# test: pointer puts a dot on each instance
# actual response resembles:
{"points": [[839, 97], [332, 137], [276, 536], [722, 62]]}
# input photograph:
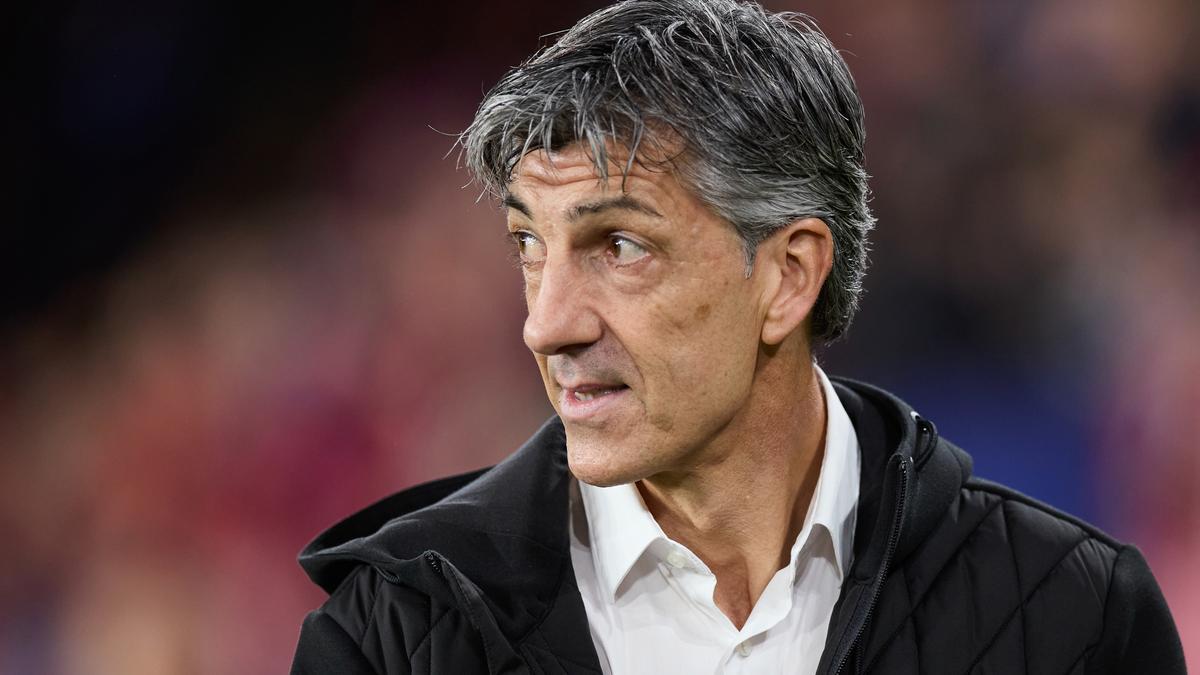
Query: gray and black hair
{"points": [[768, 115]]}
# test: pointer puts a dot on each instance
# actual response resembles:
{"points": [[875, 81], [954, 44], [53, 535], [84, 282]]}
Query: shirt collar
{"points": [[622, 529]]}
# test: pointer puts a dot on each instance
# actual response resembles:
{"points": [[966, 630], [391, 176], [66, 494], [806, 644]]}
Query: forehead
{"points": [[545, 179]]}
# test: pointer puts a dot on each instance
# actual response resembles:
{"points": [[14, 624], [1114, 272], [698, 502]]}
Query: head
{"points": [[685, 186]]}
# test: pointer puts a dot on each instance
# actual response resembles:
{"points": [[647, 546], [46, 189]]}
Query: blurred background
{"points": [[248, 291]]}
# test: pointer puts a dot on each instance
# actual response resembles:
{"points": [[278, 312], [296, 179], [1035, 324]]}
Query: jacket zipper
{"points": [[430, 558], [884, 567]]}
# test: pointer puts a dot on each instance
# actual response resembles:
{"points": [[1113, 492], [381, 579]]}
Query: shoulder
{"points": [[1027, 553], [996, 546], [1086, 578], [1004, 574], [1037, 534]]}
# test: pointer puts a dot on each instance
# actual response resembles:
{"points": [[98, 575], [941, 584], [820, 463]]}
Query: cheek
{"points": [[701, 295], [708, 346]]}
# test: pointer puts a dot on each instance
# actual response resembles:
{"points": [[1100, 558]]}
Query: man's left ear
{"points": [[802, 255]]}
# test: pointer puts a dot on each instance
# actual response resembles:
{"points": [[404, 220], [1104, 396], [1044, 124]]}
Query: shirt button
{"points": [[675, 559], [744, 648]]}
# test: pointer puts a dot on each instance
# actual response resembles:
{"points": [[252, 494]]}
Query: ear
{"points": [[800, 256]]}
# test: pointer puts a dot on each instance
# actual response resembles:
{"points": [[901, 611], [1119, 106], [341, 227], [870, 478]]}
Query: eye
{"points": [[530, 249], [626, 251]]}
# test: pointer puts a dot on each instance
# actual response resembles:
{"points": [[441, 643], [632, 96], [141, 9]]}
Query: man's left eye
{"points": [[626, 251]]}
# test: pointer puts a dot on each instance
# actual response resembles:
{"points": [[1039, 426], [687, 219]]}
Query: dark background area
{"points": [[247, 290], [120, 115]]}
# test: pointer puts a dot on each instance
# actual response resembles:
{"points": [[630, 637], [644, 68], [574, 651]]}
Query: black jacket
{"points": [[952, 574]]}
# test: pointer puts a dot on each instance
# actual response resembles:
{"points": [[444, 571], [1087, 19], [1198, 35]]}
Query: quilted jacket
{"points": [[952, 574]]}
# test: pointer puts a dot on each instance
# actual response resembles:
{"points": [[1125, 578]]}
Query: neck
{"points": [[742, 504]]}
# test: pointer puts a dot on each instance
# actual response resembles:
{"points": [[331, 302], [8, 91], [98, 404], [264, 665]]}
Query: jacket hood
{"points": [[506, 528], [494, 526]]}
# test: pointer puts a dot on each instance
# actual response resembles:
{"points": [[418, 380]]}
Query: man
{"points": [[685, 189]]}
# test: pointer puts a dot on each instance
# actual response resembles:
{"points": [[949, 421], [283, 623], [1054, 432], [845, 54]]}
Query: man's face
{"points": [[641, 318]]}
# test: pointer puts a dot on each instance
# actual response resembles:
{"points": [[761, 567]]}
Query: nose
{"points": [[562, 318]]}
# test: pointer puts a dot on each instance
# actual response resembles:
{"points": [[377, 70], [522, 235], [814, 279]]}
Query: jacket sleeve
{"points": [[1139, 635], [325, 647]]}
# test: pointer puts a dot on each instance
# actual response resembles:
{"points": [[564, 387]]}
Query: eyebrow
{"points": [[624, 202], [511, 201]]}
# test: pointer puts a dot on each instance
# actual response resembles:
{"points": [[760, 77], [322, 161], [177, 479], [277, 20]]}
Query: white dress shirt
{"points": [[649, 599]]}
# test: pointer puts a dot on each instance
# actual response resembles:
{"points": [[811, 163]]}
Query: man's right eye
{"points": [[530, 250]]}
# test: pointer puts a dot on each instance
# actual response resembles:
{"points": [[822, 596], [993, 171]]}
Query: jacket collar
{"points": [[890, 431]]}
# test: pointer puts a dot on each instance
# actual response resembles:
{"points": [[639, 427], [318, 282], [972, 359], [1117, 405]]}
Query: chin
{"points": [[603, 464]]}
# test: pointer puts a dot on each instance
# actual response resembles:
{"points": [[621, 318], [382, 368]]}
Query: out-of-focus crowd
{"points": [[259, 365]]}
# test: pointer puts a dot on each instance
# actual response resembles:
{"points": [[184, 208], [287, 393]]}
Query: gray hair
{"points": [[768, 114]]}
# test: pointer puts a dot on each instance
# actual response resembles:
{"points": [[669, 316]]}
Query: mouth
{"points": [[591, 401], [592, 392]]}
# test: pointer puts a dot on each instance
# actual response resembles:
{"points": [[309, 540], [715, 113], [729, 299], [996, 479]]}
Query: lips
{"points": [[591, 401], [588, 393]]}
